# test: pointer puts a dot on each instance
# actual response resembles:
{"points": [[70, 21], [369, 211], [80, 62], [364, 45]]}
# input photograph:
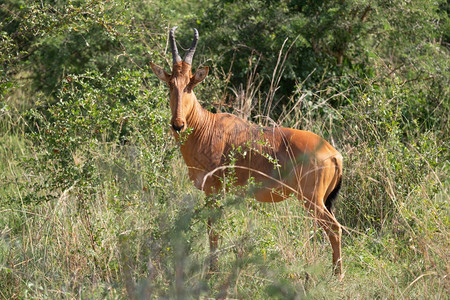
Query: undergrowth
{"points": [[97, 203], [95, 200]]}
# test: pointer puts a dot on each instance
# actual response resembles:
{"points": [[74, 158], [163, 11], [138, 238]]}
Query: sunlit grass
{"points": [[59, 250], [141, 232]]}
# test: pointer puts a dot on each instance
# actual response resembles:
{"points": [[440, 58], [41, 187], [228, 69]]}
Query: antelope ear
{"points": [[160, 72], [199, 76]]}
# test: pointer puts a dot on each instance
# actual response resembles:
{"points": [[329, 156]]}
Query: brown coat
{"points": [[282, 161]]}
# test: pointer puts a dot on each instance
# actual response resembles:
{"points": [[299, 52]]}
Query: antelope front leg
{"points": [[213, 244], [213, 209]]}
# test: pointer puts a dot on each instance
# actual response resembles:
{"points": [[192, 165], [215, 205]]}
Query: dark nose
{"points": [[178, 124], [178, 127]]}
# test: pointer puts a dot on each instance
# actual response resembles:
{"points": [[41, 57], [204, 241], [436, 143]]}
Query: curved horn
{"points": [[190, 54], [173, 45]]}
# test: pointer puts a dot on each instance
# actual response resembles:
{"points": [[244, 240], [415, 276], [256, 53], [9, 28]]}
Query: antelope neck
{"points": [[200, 120]]}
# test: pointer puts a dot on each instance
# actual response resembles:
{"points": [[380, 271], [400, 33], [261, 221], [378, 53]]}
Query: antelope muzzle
{"points": [[178, 124]]}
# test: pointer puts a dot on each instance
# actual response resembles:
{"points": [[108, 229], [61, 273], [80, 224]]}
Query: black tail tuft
{"points": [[332, 196]]}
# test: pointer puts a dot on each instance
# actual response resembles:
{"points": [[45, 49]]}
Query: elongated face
{"points": [[181, 83]]}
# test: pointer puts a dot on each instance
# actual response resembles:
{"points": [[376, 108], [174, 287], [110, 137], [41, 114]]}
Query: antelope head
{"points": [[181, 82]]}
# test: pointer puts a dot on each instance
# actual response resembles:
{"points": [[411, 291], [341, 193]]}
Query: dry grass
{"points": [[132, 238]]}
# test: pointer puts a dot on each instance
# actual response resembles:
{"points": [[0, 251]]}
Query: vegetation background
{"points": [[95, 201]]}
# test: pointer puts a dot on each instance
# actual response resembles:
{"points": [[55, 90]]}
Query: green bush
{"points": [[98, 129], [95, 200]]}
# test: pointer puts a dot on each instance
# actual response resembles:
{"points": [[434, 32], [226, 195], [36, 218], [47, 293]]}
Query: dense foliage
{"points": [[94, 197]]}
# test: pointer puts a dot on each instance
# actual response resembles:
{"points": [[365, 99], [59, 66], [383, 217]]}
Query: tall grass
{"points": [[132, 225]]}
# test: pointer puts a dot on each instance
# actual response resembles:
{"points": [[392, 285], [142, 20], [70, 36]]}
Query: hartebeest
{"points": [[283, 161]]}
